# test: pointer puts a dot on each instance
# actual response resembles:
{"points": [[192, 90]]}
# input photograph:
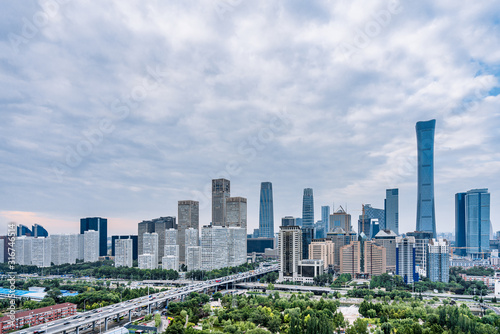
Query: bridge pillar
{"points": [[182, 298], [77, 330], [117, 317], [106, 324], [93, 325], [149, 308], [205, 291], [129, 315]]}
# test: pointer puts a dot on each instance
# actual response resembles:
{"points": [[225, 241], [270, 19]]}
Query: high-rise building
{"points": [[236, 212], [369, 212], [221, 190], [23, 230], [472, 222], [124, 250], [323, 249], [308, 208], [325, 219], [171, 237], [298, 222], [266, 211], [350, 258], [237, 246], [189, 218], [391, 209], [214, 247], [135, 244], [405, 259], [39, 231], [438, 261], [100, 225], [91, 246], [290, 252], [148, 261], [341, 219], [161, 225], [288, 221], [22, 249], [421, 242], [146, 226], [150, 245], [340, 238], [387, 239], [374, 259], [40, 252], [426, 219], [170, 262], [64, 248], [191, 238], [193, 258], [307, 238], [2, 250]]}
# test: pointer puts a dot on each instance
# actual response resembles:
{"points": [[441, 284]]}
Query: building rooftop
{"points": [[38, 311], [386, 234]]}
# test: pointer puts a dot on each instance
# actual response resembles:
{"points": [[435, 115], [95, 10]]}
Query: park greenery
{"points": [[201, 275]]}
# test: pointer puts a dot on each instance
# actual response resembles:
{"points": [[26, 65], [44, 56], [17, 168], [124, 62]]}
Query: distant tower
{"points": [[266, 214], [221, 190], [426, 220], [100, 225], [308, 208], [391, 208], [189, 218]]}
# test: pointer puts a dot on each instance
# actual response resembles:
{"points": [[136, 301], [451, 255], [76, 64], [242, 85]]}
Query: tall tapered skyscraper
{"points": [[426, 220], [266, 213], [308, 208]]}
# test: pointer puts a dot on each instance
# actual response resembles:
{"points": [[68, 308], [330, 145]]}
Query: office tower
{"points": [[214, 247], [308, 269], [374, 259], [319, 231], [148, 261], [237, 246], [350, 258], [288, 221], [340, 238], [387, 239], [146, 226], [170, 262], [374, 228], [191, 239], [40, 252], [421, 241], [405, 259], [64, 248], [100, 225], [221, 190], [171, 236], [367, 214], [91, 246], [266, 211], [341, 219], [308, 208], [161, 225], [171, 250], [438, 260], [290, 252], [23, 230], [259, 245], [193, 258], [426, 220], [472, 222], [391, 208], [236, 212], [189, 218], [256, 233], [22, 249], [307, 238], [325, 219], [135, 244], [150, 245], [298, 222], [124, 250], [38, 231], [323, 249]]}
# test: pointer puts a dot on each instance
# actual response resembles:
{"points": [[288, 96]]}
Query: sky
{"points": [[120, 109]]}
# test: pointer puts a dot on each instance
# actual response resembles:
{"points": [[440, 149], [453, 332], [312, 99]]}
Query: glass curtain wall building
{"points": [[308, 208], [426, 220], [266, 213]]}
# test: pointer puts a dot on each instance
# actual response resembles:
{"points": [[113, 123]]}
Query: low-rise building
{"points": [[36, 317]]}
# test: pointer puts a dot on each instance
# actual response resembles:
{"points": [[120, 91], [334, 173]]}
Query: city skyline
{"points": [[126, 127]]}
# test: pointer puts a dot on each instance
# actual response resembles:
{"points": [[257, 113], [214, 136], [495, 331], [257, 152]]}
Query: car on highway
{"points": [[67, 323]]}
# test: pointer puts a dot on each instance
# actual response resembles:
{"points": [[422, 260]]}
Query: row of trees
{"points": [[201, 275]]}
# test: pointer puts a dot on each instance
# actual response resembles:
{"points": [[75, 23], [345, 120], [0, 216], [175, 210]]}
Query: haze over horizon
{"points": [[121, 109]]}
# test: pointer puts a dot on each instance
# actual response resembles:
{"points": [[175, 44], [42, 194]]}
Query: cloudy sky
{"points": [[121, 108]]}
